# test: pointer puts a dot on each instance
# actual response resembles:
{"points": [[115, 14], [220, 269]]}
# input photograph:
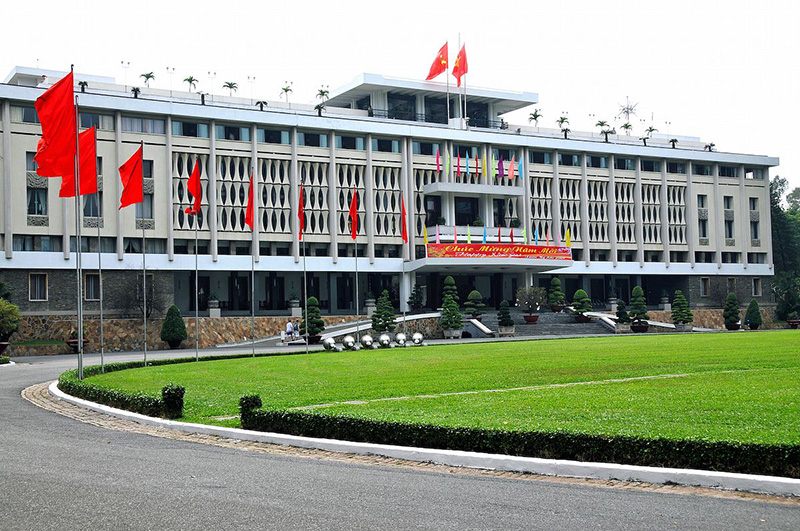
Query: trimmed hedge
{"points": [[4, 360], [776, 460]]}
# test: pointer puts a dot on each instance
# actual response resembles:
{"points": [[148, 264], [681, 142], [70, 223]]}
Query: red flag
{"points": [[460, 67], [403, 228], [301, 214], [476, 162], [511, 233], [55, 154], [438, 166], [354, 215], [455, 233], [458, 159], [88, 168], [195, 188], [248, 215], [132, 179], [499, 235], [439, 64]]}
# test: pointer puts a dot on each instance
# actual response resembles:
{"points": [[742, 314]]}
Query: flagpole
{"points": [[100, 273], [78, 267], [305, 290], [358, 314], [144, 260], [196, 295], [253, 245], [460, 108], [403, 261]]}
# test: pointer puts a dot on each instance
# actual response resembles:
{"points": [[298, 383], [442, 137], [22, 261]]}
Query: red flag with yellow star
{"points": [[460, 67], [439, 64]]}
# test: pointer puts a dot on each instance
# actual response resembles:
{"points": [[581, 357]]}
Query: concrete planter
{"points": [[506, 331], [73, 344], [622, 328], [370, 306], [733, 326], [793, 323], [452, 333], [681, 327], [294, 308], [639, 328], [581, 318]]}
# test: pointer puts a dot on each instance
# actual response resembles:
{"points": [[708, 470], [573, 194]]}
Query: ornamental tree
{"points": [[504, 315], [681, 314], [383, 317], [451, 315], [581, 302], [753, 315], [730, 312], [417, 298], [9, 319], [622, 314], [556, 296], [474, 304], [638, 312], [173, 329], [315, 323], [450, 288], [531, 298]]}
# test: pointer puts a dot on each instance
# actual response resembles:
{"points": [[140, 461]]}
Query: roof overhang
{"points": [[487, 265]]}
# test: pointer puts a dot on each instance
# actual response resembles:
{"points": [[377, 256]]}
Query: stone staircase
{"points": [[550, 324]]}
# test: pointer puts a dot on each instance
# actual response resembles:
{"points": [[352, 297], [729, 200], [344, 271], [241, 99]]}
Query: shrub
{"points": [[638, 311], [622, 314], [450, 289], [478, 222], [173, 329], [314, 321], [172, 398], [531, 298], [681, 314], [581, 303], [4, 360], [556, 296], [730, 312], [417, 298], [504, 315], [73, 334], [515, 223], [451, 315], [753, 315], [792, 316], [383, 316], [9, 319], [474, 304]]}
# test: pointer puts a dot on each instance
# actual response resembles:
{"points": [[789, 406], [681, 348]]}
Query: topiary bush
{"points": [[450, 289], [638, 312], [313, 321], [555, 297], [730, 312], [622, 313], [451, 315], [172, 398], [753, 315], [4, 360], [383, 317], [581, 303], [9, 319], [474, 305], [173, 329], [681, 314], [417, 298], [504, 315]]}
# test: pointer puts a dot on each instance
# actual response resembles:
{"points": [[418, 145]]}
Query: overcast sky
{"points": [[726, 71]]}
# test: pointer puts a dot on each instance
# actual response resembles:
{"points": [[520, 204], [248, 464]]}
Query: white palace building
{"points": [[662, 215]]}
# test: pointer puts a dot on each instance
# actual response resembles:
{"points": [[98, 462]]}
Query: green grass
{"points": [[760, 402]]}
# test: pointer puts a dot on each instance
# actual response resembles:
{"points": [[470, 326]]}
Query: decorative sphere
{"points": [[366, 341], [400, 339], [384, 340], [329, 343], [416, 338], [348, 342]]}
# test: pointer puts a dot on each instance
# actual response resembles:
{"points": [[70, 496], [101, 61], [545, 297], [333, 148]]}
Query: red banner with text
{"points": [[497, 250]]}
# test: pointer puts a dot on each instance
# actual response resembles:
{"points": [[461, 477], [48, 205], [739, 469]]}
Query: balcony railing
{"points": [[447, 234], [436, 118]]}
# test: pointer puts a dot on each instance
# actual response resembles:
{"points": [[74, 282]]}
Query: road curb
{"points": [[9, 364], [548, 467]]}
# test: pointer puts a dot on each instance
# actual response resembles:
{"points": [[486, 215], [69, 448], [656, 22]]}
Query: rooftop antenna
{"points": [[252, 81], [627, 110], [170, 71], [125, 66]]}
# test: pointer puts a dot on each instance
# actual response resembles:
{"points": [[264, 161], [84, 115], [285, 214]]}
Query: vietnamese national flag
{"points": [[195, 188], [130, 173], [248, 215], [55, 153], [460, 67], [354, 215], [404, 227], [301, 215], [439, 64], [87, 168]]}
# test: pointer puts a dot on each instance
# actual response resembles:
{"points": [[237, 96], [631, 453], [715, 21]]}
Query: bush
{"points": [[173, 329], [477, 222], [172, 398], [9, 319], [383, 317], [4, 360], [531, 298], [450, 289], [786, 288], [730, 312], [474, 304], [622, 314], [681, 314], [778, 459], [504, 315], [556, 296], [315, 323], [451, 315], [417, 298], [581, 303], [515, 223], [792, 316], [638, 311], [753, 315]]}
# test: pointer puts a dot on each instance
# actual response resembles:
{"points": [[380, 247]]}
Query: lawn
{"points": [[736, 386]]}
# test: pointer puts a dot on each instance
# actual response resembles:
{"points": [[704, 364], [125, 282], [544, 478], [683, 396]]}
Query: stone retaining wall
{"points": [[713, 318]]}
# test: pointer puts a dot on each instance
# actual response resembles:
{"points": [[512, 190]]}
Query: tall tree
{"points": [[785, 229]]}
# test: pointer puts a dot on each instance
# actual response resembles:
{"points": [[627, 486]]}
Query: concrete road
{"points": [[59, 473]]}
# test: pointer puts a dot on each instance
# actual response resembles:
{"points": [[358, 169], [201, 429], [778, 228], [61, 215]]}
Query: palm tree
{"points": [[534, 117], [147, 76], [644, 139], [627, 127], [673, 141], [606, 132], [710, 147], [319, 107], [135, 91], [261, 104], [562, 121], [231, 86], [286, 90], [650, 130], [566, 131], [83, 85], [322, 94], [192, 82], [601, 124]]}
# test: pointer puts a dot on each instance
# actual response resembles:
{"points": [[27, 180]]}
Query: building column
{"points": [[744, 212], [555, 202], [8, 202], [294, 196], [170, 207], [663, 198], [369, 200], [719, 216], [254, 169], [585, 211], [638, 212], [117, 188], [767, 228], [212, 187], [410, 249], [405, 290], [333, 203], [691, 213], [526, 183], [612, 209]]}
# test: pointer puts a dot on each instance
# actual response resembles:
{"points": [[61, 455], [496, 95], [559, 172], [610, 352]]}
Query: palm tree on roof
{"points": [[562, 121], [566, 132], [286, 90], [231, 86], [673, 141], [323, 93], [627, 127], [534, 117], [650, 130], [147, 76], [261, 104], [191, 81]]}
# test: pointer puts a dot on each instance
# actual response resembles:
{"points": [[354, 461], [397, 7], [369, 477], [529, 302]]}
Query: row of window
{"points": [[705, 286], [729, 225]]}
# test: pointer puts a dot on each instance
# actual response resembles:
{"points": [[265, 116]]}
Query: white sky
{"points": [[726, 71]]}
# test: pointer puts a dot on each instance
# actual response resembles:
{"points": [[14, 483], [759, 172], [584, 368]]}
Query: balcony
{"points": [[436, 118], [447, 234], [474, 189]]}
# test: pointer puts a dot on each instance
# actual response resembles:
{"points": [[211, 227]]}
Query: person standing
{"points": [[289, 331], [297, 329]]}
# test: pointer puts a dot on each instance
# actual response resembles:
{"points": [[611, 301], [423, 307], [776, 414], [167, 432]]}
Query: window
{"points": [[651, 165], [756, 287], [727, 202], [726, 171], [701, 169], [194, 129], [676, 167], [144, 210], [230, 132], [705, 286], [753, 203], [729, 229], [385, 145], [132, 124], [466, 151], [37, 201], [466, 210], [754, 230], [147, 169], [312, 139], [37, 287], [539, 157], [93, 205], [624, 164], [702, 199], [756, 258], [569, 160], [24, 114], [272, 136], [30, 164], [731, 285], [730, 258], [102, 122], [351, 142], [702, 228], [37, 243], [91, 284], [506, 154], [594, 161], [425, 148]]}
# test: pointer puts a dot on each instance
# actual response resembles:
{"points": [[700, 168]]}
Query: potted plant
{"points": [[730, 312], [478, 222], [213, 301], [753, 315], [556, 299], [475, 304], [792, 320], [294, 301], [173, 329], [383, 319], [369, 303], [416, 300], [682, 316], [441, 221], [451, 319], [505, 324], [623, 323], [638, 313], [73, 339], [313, 321], [515, 223], [9, 321], [581, 303], [531, 298], [664, 302]]}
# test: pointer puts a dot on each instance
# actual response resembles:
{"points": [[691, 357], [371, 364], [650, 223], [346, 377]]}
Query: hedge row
{"points": [[4, 360], [775, 460]]}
